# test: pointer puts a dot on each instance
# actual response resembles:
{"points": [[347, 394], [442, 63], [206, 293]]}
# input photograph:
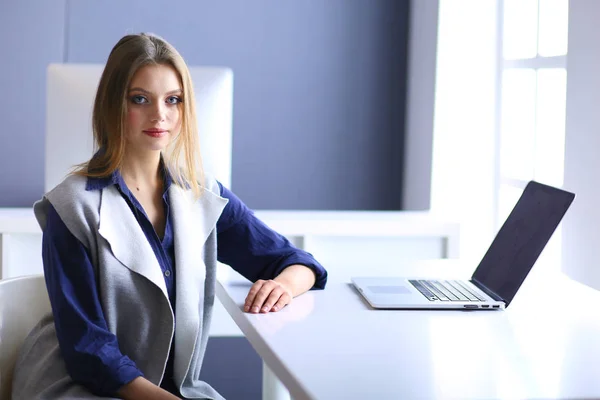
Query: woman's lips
{"points": [[156, 133]]}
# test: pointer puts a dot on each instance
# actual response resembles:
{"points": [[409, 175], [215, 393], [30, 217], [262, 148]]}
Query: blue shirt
{"points": [[91, 352]]}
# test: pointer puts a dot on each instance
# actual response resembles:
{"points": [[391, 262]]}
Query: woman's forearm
{"points": [[298, 278]]}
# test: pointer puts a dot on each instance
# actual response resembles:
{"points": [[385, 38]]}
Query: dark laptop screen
{"points": [[522, 238]]}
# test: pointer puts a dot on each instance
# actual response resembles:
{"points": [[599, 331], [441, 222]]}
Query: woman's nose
{"points": [[158, 112]]}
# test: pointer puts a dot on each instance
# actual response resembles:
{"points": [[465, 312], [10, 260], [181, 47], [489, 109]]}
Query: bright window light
{"points": [[517, 136], [553, 30], [550, 130], [520, 29]]}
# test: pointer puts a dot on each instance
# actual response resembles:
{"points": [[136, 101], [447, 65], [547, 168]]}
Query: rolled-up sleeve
{"points": [[90, 350], [253, 249]]}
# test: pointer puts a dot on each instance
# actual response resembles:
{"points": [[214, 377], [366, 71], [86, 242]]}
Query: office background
{"points": [[319, 89], [319, 104], [335, 80]]}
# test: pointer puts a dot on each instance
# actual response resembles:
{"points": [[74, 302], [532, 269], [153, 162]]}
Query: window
{"points": [[532, 101], [499, 119], [464, 126]]}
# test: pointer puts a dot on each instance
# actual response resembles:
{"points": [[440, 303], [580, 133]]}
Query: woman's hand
{"points": [[267, 296], [273, 295]]}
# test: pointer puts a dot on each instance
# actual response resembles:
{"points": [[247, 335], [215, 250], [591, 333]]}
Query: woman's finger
{"points": [[262, 295], [273, 298], [284, 300], [252, 294]]}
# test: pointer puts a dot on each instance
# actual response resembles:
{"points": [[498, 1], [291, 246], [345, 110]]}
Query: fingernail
{"points": [[246, 308], [255, 309], [265, 309], [275, 308]]}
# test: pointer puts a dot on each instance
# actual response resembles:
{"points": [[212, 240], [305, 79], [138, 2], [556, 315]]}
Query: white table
{"points": [[330, 345]]}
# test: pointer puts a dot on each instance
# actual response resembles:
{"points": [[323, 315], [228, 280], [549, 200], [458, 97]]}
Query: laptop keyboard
{"points": [[446, 290]]}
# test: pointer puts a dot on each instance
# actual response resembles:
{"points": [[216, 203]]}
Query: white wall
{"points": [[581, 227]]}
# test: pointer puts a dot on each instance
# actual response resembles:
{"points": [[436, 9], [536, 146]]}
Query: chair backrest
{"points": [[23, 303], [70, 93]]}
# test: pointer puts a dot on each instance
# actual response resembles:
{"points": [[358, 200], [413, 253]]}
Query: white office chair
{"points": [[23, 303]]}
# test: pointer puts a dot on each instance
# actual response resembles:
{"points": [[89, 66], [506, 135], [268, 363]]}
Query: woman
{"points": [[130, 245]]}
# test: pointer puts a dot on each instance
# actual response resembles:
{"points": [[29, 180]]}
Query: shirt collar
{"points": [[117, 179]]}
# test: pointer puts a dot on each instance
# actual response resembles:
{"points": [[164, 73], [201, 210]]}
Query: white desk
{"points": [[330, 345]]}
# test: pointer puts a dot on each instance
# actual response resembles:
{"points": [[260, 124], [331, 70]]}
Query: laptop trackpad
{"points": [[389, 289]]}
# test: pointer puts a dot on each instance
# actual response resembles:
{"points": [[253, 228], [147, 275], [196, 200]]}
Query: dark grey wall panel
{"points": [[420, 102], [233, 368], [318, 95], [32, 35]]}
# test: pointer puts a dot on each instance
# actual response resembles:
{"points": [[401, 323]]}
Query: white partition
{"points": [[358, 241], [344, 242]]}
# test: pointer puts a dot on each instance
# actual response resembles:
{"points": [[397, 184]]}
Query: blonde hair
{"points": [[182, 157]]}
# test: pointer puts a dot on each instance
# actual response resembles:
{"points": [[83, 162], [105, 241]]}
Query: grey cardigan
{"points": [[132, 289]]}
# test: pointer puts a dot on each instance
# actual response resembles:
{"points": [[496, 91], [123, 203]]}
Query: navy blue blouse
{"points": [[91, 352]]}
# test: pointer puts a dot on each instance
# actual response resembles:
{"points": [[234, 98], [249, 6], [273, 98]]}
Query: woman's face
{"points": [[153, 109]]}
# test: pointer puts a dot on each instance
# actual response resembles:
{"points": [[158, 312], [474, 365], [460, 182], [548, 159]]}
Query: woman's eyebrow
{"points": [[138, 89]]}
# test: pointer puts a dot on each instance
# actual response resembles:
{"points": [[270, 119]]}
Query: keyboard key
{"points": [[423, 290], [441, 295], [448, 285], [462, 290], [444, 290], [472, 291]]}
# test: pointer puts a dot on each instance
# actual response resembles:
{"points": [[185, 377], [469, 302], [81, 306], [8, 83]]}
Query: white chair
{"points": [[23, 303]]}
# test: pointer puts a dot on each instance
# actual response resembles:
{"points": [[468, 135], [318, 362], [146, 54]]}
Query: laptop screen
{"points": [[522, 238]]}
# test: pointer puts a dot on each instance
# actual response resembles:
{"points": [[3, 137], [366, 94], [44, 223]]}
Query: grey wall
{"points": [[420, 104], [233, 368], [318, 94], [31, 36], [581, 227]]}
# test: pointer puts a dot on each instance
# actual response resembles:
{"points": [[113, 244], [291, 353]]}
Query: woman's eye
{"points": [[138, 99], [174, 100]]}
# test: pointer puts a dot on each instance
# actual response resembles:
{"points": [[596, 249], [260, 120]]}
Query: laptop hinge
{"points": [[487, 291]]}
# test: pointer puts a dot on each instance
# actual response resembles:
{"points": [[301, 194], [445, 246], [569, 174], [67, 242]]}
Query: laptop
{"points": [[504, 267]]}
